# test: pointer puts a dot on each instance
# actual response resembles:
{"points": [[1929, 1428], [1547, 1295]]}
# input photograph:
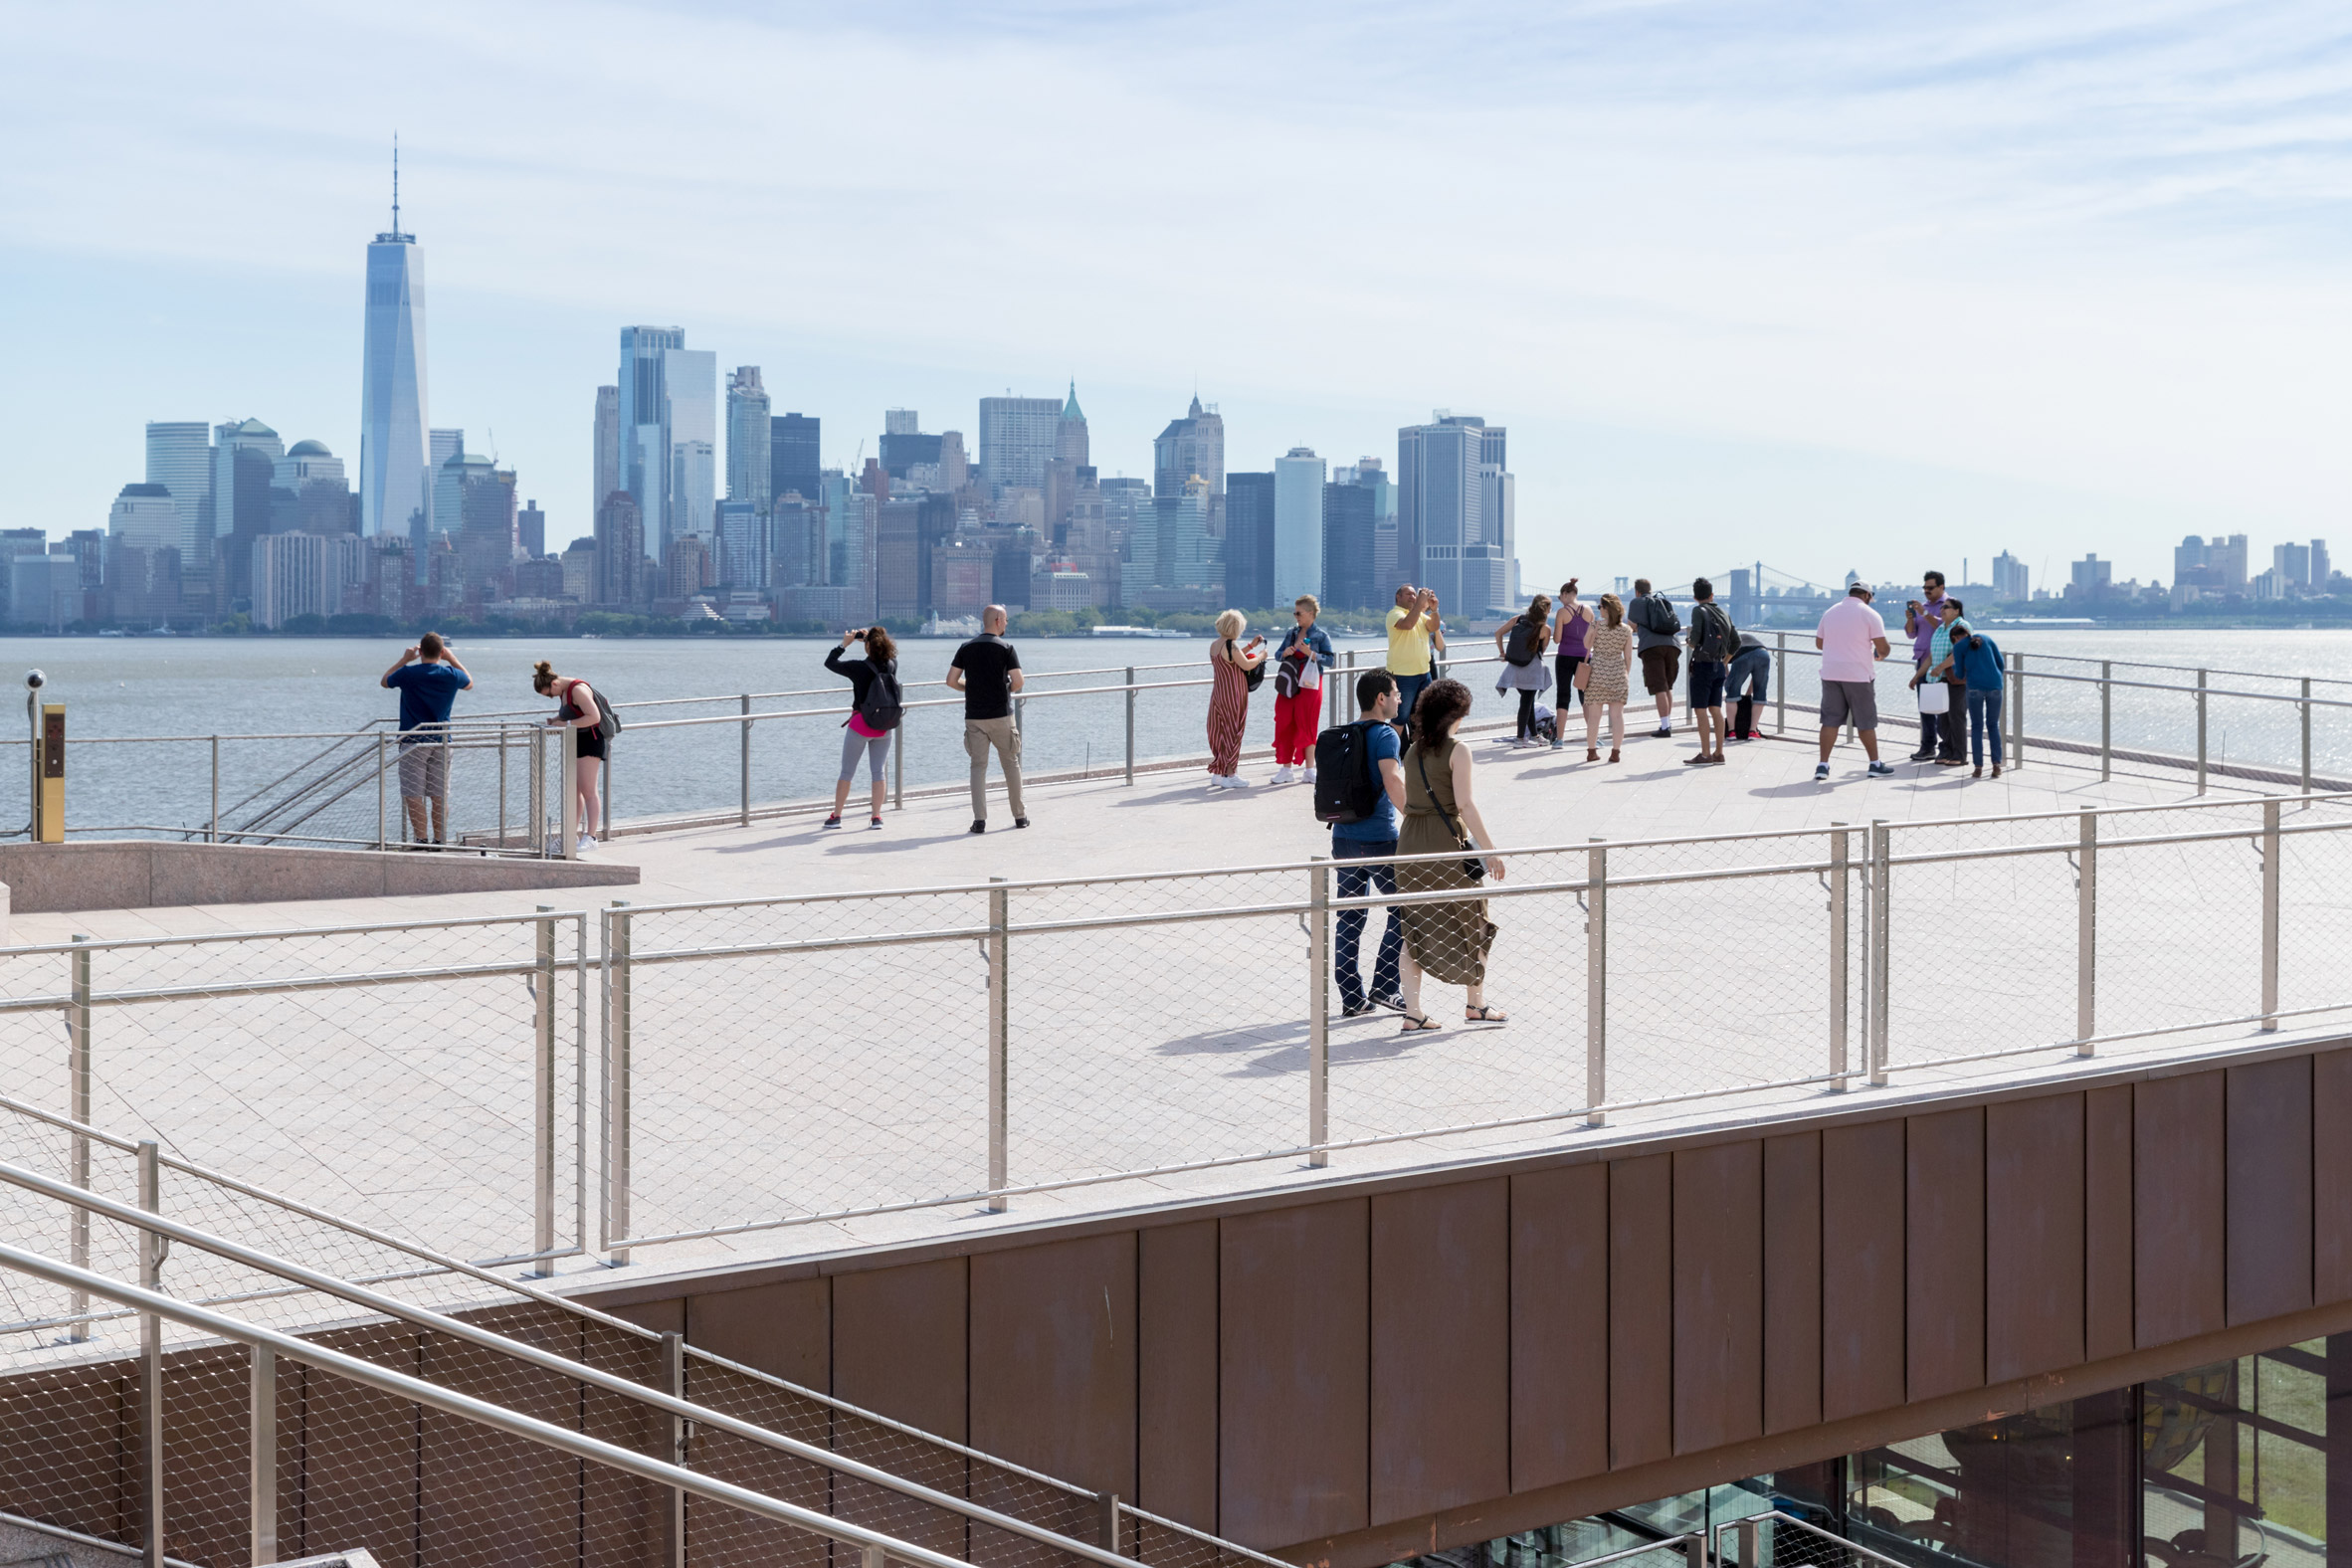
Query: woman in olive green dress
{"points": [[1446, 939]]}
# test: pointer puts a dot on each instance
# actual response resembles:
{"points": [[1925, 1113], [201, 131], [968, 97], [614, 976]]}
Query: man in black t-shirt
{"points": [[986, 670]]}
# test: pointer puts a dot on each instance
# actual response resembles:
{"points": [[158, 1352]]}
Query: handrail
{"points": [[1746, 1524], [436, 1397]]}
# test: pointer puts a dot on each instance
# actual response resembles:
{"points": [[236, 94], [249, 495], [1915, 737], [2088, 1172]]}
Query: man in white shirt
{"points": [[1851, 639]]}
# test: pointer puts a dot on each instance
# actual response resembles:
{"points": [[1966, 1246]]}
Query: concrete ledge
{"points": [[143, 873]]}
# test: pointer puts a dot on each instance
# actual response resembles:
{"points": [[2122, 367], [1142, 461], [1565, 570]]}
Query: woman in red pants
{"points": [[1298, 690]]}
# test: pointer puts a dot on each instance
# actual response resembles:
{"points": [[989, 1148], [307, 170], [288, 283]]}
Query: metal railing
{"points": [[515, 1343], [1775, 1538], [970, 1045]]}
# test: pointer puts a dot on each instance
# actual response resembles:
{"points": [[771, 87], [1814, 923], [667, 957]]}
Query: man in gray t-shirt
{"points": [[1655, 626]]}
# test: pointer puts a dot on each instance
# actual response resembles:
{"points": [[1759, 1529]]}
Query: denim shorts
{"points": [[1706, 681]]}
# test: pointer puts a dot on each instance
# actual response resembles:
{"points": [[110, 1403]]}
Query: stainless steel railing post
{"points": [[539, 792], [1882, 919], [1596, 984], [1318, 1011], [567, 782], [544, 1093], [1840, 874], [2016, 703], [2306, 705], [1749, 1536], [674, 1368], [1108, 1533], [213, 836], [616, 1221], [898, 763], [381, 840], [2270, 876], [2086, 933], [999, 1022], [502, 786], [262, 1453], [1130, 723], [1780, 684], [2107, 719], [743, 818], [78, 1085], [150, 1437], [2200, 731]]}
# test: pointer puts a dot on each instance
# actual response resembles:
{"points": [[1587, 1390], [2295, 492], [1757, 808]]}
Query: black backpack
{"points": [[1254, 674], [1347, 785], [884, 705], [1521, 649], [1712, 633]]}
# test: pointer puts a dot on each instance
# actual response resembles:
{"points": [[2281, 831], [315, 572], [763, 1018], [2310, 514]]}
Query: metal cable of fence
{"points": [[1775, 1538]]}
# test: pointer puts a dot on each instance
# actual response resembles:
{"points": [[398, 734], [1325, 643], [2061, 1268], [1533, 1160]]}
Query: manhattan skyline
{"points": [[2000, 276]]}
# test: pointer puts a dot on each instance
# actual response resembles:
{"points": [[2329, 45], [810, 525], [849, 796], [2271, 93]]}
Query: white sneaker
{"points": [[1282, 774], [1235, 781], [1310, 775], [585, 843]]}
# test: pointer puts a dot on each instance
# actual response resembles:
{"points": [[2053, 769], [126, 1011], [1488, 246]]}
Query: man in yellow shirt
{"points": [[1413, 629]]}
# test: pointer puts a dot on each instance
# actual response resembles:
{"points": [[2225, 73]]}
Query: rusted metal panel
{"points": [[1718, 1253], [1559, 1324], [1054, 1361], [783, 1328], [2033, 1255], [1944, 1269], [1440, 1347], [67, 1439], [2331, 1177], [1294, 1352], [1792, 1282], [2177, 1211], [481, 1490], [2268, 1224], [1176, 1373], [1641, 1311], [625, 1522], [1862, 1237], [360, 1451], [899, 1349], [2107, 1140], [207, 1395]]}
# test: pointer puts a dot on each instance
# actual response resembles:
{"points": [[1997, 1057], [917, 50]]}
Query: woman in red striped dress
{"points": [[1229, 699]]}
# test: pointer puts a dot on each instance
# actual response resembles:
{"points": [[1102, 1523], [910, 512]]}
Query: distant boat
{"points": [[1136, 631]]}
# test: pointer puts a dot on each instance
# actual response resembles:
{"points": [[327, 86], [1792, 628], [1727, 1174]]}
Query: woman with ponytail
{"points": [[581, 713]]}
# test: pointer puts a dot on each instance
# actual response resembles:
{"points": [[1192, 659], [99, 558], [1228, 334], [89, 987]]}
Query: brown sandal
{"points": [[1613, 754], [1592, 753]]}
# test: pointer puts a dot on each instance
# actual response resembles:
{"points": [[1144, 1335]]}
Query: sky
{"points": [[1826, 286]]}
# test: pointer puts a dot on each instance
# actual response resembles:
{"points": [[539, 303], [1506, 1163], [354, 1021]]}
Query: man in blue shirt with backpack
{"points": [[1360, 792]]}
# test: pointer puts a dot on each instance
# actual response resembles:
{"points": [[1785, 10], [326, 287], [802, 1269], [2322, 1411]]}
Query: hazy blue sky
{"points": [[1828, 285]]}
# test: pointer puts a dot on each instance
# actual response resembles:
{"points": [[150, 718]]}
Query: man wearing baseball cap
{"points": [[1851, 639]]}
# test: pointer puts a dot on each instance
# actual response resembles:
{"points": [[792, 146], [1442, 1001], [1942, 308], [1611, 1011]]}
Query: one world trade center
{"points": [[395, 478]]}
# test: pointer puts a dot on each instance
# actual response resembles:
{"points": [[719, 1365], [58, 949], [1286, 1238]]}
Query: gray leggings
{"points": [[876, 747]]}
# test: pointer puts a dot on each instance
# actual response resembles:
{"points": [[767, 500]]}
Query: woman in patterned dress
{"points": [[1231, 660], [1609, 654]]}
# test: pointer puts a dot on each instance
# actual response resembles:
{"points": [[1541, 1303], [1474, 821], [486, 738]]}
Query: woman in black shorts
{"points": [[579, 712]]}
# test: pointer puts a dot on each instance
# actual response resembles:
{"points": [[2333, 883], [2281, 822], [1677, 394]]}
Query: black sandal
{"points": [[1485, 1015], [1419, 1024]]}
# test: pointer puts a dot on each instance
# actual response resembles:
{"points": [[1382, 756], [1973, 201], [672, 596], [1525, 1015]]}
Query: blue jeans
{"points": [[1409, 688], [1751, 674], [1983, 718], [1359, 881]]}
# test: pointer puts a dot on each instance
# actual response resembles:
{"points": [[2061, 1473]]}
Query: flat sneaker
{"points": [[1235, 781], [1310, 775], [834, 821], [1018, 822], [1663, 734], [1881, 770], [875, 823], [1281, 776], [1923, 756], [583, 844], [981, 826], [1390, 1000], [1357, 1009], [1821, 773]]}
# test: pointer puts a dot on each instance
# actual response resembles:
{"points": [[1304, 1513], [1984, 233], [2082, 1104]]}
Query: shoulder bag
{"points": [[1473, 866]]}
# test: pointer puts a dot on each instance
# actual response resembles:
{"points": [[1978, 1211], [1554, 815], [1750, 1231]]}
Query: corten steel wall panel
{"points": [[360, 1452], [899, 1346], [2332, 1178], [206, 1399], [1641, 1311], [1294, 1317], [481, 1490], [1718, 1253], [1792, 1282], [1559, 1324], [2269, 1227], [2107, 1222], [1053, 1361], [1176, 1373], [1861, 1262], [1440, 1347], [64, 1440], [1944, 1271], [784, 1329], [2178, 1211], [625, 1522], [663, 1317], [2033, 1235]]}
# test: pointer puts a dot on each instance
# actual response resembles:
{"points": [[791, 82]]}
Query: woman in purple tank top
{"points": [[1575, 619]]}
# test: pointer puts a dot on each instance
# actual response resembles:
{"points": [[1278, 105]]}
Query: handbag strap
{"points": [[1421, 762]]}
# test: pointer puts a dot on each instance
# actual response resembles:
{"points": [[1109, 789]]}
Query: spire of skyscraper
{"points": [[395, 483]]}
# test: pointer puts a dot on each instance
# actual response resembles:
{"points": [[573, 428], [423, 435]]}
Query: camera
{"points": [[35, 680]]}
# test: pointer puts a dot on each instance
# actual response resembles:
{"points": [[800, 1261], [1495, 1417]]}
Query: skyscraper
{"points": [[794, 461], [2009, 582], [530, 527], [1297, 526], [1192, 445], [245, 458], [620, 551], [1016, 440], [1070, 464], [1250, 504], [1350, 542], [643, 422], [179, 458], [608, 446], [395, 476], [692, 378], [748, 470], [903, 444], [145, 518], [1456, 511]]}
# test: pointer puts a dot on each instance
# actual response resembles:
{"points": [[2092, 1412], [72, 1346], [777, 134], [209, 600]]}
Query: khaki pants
{"points": [[979, 735]]}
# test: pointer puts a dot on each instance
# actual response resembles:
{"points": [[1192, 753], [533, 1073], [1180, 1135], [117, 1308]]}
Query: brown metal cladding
{"points": [[64, 1440], [1861, 1248], [1054, 1361], [1441, 1392], [899, 1349], [2033, 1266], [1718, 1316], [2178, 1210], [785, 1329], [2107, 1139], [625, 1522], [1641, 1309], [1294, 1306], [482, 1490], [360, 1452], [207, 1404], [1792, 1282], [2268, 1225], [1944, 1266], [1559, 1324], [2331, 1173], [1176, 1373]]}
